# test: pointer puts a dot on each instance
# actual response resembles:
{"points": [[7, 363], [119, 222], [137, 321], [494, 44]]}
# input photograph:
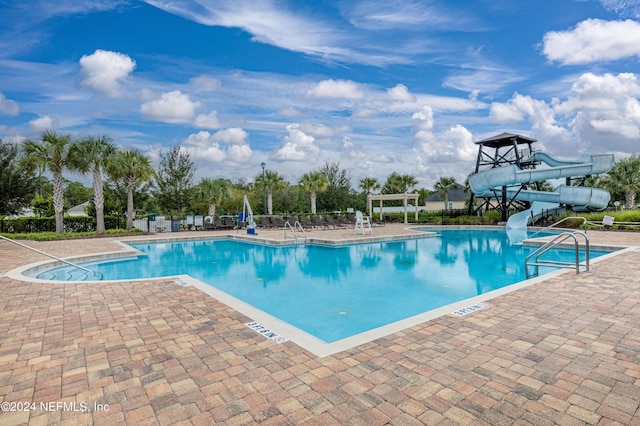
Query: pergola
{"points": [[382, 197]]}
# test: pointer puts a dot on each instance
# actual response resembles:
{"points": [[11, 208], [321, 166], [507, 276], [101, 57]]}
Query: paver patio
{"points": [[564, 351]]}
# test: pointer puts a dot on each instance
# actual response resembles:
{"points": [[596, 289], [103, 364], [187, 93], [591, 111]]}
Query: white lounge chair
{"points": [[198, 222], [190, 222], [161, 224], [363, 224]]}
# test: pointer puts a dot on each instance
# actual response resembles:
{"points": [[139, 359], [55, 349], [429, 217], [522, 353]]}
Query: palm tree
{"points": [[406, 182], [92, 154], [369, 184], [269, 182], [398, 184], [443, 186], [624, 177], [314, 182], [214, 192], [51, 152], [134, 169]]}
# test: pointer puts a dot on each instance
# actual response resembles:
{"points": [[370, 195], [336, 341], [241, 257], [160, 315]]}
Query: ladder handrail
{"points": [[554, 242], [546, 228], [45, 254], [293, 228], [297, 224]]}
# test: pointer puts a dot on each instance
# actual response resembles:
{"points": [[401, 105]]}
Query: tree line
{"points": [[126, 178], [124, 181]]}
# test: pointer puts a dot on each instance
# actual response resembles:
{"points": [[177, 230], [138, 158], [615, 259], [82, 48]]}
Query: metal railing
{"points": [[560, 238], [48, 255], [296, 225]]}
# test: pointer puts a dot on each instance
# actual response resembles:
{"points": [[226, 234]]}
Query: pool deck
{"points": [[564, 351]]}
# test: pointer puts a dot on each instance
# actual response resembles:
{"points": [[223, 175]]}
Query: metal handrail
{"points": [[584, 224], [297, 224], [551, 244], [293, 228], [45, 254]]}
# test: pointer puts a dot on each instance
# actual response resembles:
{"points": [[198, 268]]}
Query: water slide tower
{"points": [[499, 151]]}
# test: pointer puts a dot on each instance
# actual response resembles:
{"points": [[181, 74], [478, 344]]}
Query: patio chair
{"points": [[209, 223], [343, 220], [190, 222], [305, 222], [226, 222], [161, 224], [265, 222], [198, 222], [278, 222], [319, 222], [332, 222], [363, 224]]}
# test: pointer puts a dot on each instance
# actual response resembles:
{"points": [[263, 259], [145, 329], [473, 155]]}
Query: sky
{"points": [[378, 86]]}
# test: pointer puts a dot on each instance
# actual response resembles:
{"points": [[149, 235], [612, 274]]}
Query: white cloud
{"points": [[377, 15], [43, 123], [400, 93], [231, 136], [205, 83], [593, 40], [291, 28], [541, 115], [317, 129], [623, 7], [205, 147], [344, 89], [296, 146], [605, 110], [171, 107], [209, 121], [454, 144], [289, 112], [103, 71], [7, 106], [505, 112]]}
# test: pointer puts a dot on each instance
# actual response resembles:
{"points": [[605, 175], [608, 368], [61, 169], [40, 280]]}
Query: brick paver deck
{"points": [[565, 351]]}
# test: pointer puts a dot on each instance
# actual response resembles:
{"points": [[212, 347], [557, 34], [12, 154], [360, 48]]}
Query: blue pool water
{"points": [[337, 292]]}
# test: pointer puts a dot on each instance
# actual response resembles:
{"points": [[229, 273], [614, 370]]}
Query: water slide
{"points": [[580, 198]]}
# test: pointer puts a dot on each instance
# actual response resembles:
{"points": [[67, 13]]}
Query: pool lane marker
{"points": [[264, 331], [470, 309]]}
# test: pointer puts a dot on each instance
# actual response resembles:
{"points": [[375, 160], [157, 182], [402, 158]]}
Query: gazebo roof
{"points": [[505, 139]]}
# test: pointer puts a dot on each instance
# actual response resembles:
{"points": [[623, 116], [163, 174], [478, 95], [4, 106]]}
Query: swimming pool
{"points": [[334, 292]]}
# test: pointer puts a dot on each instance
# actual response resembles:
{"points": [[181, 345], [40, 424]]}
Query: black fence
{"points": [[27, 225]]}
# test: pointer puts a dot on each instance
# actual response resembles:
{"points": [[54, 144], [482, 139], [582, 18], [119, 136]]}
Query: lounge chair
{"points": [[226, 222], [305, 222], [278, 222], [198, 222], [343, 220], [363, 224], [332, 222], [209, 223], [161, 224], [319, 222], [265, 223]]}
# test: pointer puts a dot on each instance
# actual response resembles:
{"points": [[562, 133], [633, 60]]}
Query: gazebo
{"points": [[382, 197]]}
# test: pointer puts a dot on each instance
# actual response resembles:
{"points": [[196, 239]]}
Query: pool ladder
{"points": [[296, 225], [535, 261]]}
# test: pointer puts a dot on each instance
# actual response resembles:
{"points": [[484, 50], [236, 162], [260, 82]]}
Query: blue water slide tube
{"points": [[484, 183]]}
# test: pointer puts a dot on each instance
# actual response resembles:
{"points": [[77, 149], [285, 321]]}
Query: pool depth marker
{"points": [[269, 334]]}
